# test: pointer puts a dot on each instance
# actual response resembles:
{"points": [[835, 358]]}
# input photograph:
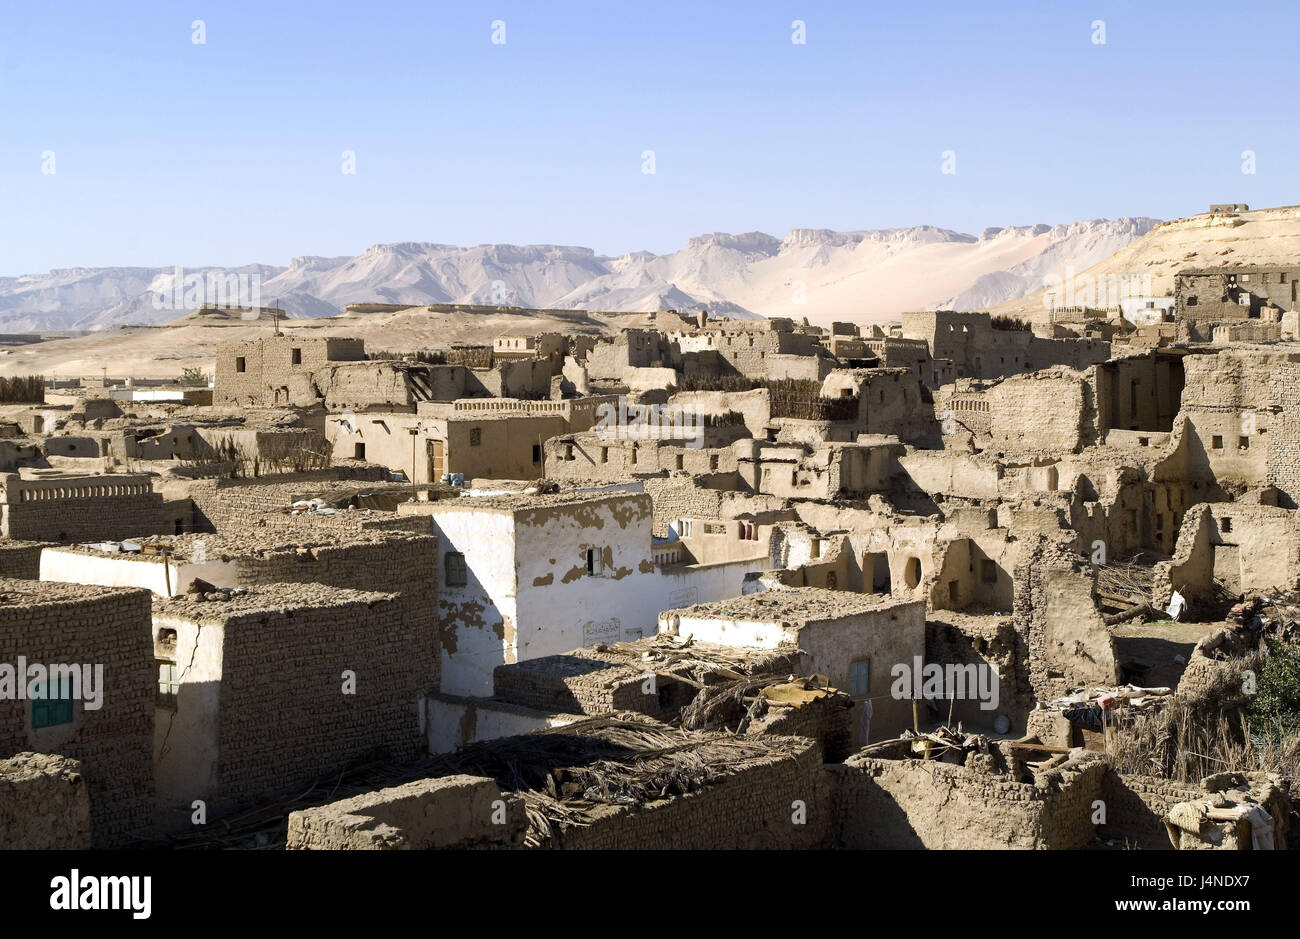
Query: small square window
{"points": [[1216, 442], [241, 365], [453, 570], [1243, 443], [1225, 524], [595, 562], [169, 684], [860, 678], [475, 436], [295, 357], [52, 708]]}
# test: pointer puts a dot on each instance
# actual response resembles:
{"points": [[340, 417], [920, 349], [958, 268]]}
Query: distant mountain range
{"points": [[815, 273]]}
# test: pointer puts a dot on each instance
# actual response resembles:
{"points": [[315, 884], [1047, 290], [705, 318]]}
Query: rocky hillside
{"points": [[820, 274]]}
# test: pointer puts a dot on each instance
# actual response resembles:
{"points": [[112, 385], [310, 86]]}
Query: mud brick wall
{"points": [[405, 563], [681, 497], [284, 718], [1050, 727], [1136, 807], [22, 559], [69, 624], [44, 805], [826, 720], [984, 641], [87, 518], [752, 809], [445, 812], [1284, 432], [584, 683], [1066, 643], [219, 503], [908, 803], [573, 685]]}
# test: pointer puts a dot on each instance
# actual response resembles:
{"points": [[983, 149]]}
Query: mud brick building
{"points": [[524, 576], [854, 639], [979, 349], [70, 624], [284, 684], [277, 370], [885, 798], [1234, 293], [728, 792]]}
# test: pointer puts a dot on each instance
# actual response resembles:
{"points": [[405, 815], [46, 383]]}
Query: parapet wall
{"points": [[395, 563], [81, 509], [782, 804], [908, 804], [220, 503], [22, 559], [1136, 807], [444, 812]]}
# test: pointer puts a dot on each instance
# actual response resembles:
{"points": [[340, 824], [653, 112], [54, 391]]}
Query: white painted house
{"points": [[523, 576]]}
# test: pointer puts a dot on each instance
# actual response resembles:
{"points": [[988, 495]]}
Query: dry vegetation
{"points": [[1217, 732]]}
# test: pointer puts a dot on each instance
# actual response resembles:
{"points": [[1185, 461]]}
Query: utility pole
{"points": [[415, 435]]}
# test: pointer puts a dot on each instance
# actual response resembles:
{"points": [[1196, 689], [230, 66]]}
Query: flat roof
{"points": [[522, 502], [14, 592], [798, 604], [265, 598], [250, 540]]}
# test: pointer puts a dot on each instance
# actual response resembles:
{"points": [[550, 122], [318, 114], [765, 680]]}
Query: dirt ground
{"points": [[191, 341], [1163, 647]]}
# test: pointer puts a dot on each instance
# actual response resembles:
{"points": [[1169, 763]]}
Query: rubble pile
{"points": [[1241, 812]]}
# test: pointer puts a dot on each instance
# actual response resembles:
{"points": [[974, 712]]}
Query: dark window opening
{"points": [[54, 706]]}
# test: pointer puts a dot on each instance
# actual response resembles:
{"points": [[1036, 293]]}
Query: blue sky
{"points": [[229, 152]]}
